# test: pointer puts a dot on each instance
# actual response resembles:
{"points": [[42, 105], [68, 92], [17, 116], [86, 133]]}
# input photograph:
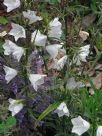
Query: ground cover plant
{"points": [[50, 68]]}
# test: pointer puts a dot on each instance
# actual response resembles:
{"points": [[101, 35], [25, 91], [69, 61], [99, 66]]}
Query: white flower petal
{"points": [[11, 4], [62, 110], [11, 101], [59, 64], [36, 80], [80, 125], [12, 48], [99, 131], [17, 31], [10, 73], [53, 50], [13, 113], [31, 15], [38, 38], [55, 29], [15, 106], [83, 53], [18, 107], [73, 84]]}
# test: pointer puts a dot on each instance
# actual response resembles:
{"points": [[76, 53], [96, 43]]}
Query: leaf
{"points": [[100, 21], [3, 20], [53, 1], [47, 111], [10, 122], [2, 128]]}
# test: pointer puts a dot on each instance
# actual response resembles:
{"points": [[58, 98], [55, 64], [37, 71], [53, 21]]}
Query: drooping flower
{"points": [[31, 15], [53, 50], [17, 31], [59, 64], [55, 29], [80, 125], [62, 110], [11, 48], [11, 4], [15, 106], [10, 73], [99, 131], [38, 38], [73, 84], [82, 54], [84, 35], [36, 80]]}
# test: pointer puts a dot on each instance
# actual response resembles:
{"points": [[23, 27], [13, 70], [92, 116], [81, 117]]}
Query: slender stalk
{"points": [[64, 4]]}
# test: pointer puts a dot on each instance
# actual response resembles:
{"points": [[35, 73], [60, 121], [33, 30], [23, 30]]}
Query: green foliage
{"points": [[8, 124], [47, 111], [53, 1], [3, 20]]}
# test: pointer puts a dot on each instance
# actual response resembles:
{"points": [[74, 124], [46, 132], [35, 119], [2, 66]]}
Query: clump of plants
{"points": [[50, 68]]}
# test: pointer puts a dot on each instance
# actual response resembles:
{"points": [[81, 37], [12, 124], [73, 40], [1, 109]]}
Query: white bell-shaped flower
{"points": [[82, 54], [31, 15], [99, 131], [59, 64], [11, 48], [53, 50], [80, 125], [11, 4], [55, 29], [17, 31], [62, 110], [15, 106], [73, 84], [10, 73], [38, 38], [36, 80]]}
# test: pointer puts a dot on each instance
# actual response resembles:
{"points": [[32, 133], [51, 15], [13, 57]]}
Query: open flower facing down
{"points": [[53, 50], [11, 48], [38, 38], [55, 29], [80, 125], [62, 110], [17, 31], [15, 106], [73, 84], [10, 73], [36, 80], [11, 4], [99, 131], [31, 15], [83, 53], [59, 64]]}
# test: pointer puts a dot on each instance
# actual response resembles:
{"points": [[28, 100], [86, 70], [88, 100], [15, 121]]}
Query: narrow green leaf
{"points": [[47, 111]]}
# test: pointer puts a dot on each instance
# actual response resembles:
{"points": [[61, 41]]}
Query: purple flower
{"points": [[41, 123], [2, 78], [14, 88]]}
